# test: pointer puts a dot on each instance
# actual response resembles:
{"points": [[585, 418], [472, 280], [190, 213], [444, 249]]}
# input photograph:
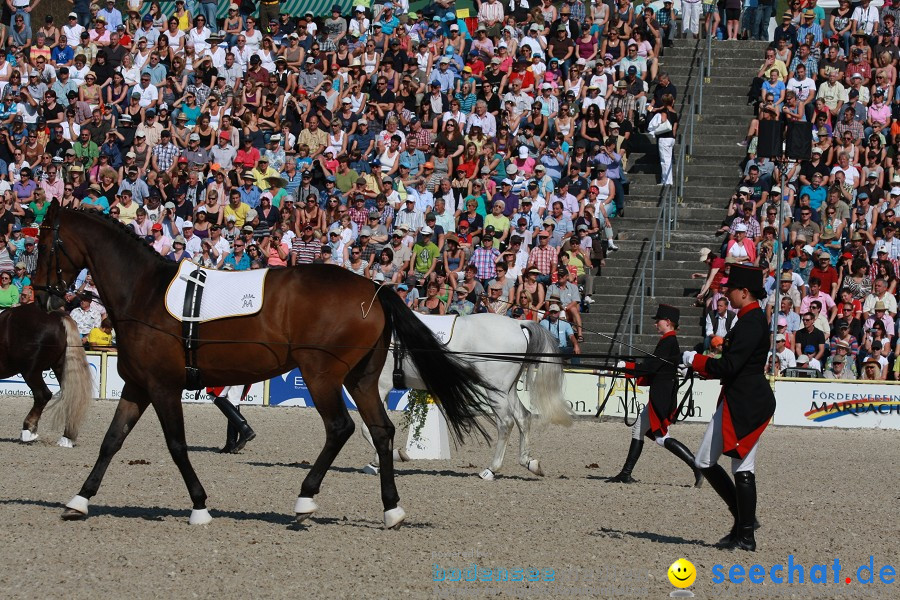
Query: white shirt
{"points": [[73, 34], [148, 94], [786, 358], [804, 88]]}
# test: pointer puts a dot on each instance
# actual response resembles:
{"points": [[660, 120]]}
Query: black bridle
{"points": [[60, 287]]}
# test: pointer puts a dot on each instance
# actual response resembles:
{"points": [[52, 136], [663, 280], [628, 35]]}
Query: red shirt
{"points": [[248, 158], [828, 277]]}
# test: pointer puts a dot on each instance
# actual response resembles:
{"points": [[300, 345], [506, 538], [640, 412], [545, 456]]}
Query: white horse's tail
{"points": [[69, 408], [545, 376]]}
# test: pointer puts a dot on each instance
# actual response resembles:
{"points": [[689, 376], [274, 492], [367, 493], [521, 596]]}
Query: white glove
{"points": [[682, 371], [688, 357]]}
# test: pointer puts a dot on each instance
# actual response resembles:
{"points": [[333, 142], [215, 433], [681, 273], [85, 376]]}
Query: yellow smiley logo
{"points": [[682, 573]]}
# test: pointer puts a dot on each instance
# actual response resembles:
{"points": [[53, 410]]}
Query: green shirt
{"points": [[424, 256], [345, 181], [9, 297]]}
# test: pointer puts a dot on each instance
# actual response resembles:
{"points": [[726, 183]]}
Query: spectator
{"points": [[562, 331], [718, 322]]}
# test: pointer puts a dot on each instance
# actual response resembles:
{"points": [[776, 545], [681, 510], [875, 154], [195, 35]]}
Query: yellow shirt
{"points": [[261, 177], [240, 213], [779, 66], [98, 338], [127, 214]]}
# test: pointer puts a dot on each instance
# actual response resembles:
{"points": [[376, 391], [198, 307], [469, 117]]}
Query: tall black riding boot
{"points": [[720, 481], [681, 451], [745, 483], [230, 439], [634, 452], [244, 432]]}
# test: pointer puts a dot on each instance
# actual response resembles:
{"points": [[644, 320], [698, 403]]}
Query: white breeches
{"points": [[711, 448]]}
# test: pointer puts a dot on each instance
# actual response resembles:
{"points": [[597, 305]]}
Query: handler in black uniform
{"points": [[659, 372], [746, 405]]}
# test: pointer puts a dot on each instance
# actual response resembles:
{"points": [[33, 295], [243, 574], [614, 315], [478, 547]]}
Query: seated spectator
{"points": [[562, 331], [839, 369], [872, 370]]}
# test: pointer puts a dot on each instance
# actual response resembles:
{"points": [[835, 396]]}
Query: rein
{"points": [[59, 288]]}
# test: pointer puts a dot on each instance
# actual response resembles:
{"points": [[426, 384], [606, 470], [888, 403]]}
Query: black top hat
{"points": [[742, 277], [666, 311]]}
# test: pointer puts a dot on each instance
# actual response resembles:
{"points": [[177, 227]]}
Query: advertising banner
{"points": [[706, 394], [290, 390], [114, 384], [820, 403], [16, 386]]}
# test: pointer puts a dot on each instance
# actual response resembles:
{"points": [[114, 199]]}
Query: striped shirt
{"points": [[304, 252]]}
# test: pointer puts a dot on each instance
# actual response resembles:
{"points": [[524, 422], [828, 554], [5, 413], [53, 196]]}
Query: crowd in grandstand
{"points": [[474, 163], [829, 220]]}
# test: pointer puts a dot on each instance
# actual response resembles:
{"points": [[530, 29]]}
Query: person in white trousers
{"points": [[664, 127], [690, 17]]}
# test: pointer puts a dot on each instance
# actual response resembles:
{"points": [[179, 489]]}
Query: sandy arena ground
{"points": [[823, 496]]}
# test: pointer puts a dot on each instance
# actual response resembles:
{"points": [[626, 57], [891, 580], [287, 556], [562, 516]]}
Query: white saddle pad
{"points": [[440, 325], [226, 293]]}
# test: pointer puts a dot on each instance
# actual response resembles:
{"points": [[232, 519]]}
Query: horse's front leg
{"points": [[129, 411]]}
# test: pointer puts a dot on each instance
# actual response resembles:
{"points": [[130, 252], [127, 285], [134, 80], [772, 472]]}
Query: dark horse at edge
{"points": [[334, 325], [32, 341]]}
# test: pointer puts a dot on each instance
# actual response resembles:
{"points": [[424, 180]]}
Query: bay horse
{"points": [[334, 325], [502, 349], [32, 341]]}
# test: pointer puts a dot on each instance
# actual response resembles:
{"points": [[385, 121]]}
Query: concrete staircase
{"points": [[711, 172]]}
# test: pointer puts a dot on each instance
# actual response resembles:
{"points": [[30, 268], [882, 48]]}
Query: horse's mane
{"points": [[132, 236]]}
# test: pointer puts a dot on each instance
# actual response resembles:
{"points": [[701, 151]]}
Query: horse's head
{"points": [[59, 259]]}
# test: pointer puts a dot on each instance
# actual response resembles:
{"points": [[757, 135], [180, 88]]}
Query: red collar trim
{"points": [[668, 334], [753, 305]]}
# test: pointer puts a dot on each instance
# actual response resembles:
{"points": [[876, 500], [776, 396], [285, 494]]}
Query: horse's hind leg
{"points": [[523, 420], [364, 389], [42, 395], [129, 411], [325, 389], [503, 413]]}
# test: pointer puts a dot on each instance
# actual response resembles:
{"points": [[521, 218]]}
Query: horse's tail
{"points": [[70, 407], [545, 376], [459, 389]]}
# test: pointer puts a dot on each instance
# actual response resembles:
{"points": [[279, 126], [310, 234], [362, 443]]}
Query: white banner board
{"points": [[824, 403], [114, 384]]}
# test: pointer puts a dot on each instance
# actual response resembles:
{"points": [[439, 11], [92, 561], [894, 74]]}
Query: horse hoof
{"points": [[534, 465], [401, 455], [73, 515], [370, 469], [304, 508], [200, 517], [65, 442], [76, 509], [27, 436], [394, 518], [487, 475]]}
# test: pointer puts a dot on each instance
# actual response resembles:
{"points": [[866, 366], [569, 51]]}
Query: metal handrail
{"points": [[672, 196]]}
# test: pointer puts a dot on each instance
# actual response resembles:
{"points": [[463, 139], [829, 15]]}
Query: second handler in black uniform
{"points": [[746, 405], [659, 371]]}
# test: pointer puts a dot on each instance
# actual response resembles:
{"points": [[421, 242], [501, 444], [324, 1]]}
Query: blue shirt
{"points": [[816, 196], [250, 197], [387, 27], [240, 265], [62, 56], [561, 330], [102, 202]]}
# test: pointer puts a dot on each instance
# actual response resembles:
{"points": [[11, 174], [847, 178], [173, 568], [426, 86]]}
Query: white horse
{"points": [[498, 334]]}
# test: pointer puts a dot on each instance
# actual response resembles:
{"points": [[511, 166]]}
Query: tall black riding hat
{"points": [[742, 277], [666, 311]]}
